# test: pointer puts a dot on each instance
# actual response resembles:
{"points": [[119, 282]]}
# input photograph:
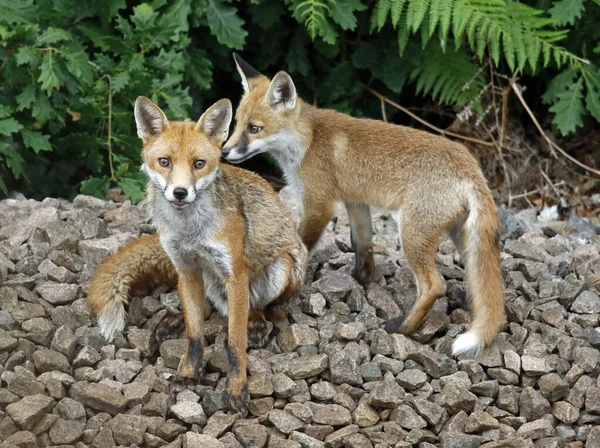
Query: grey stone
{"points": [[65, 432], [284, 422], [332, 414], [304, 367], [344, 369], [411, 379], [99, 397], [532, 404], [588, 302], [193, 440], [128, 429], [387, 395], [58, 293], [29, 410], [189, 412], [297, 335], [537, 429]]}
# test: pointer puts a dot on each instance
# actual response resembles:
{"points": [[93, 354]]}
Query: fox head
{"points": [[181, 158], [263, 116]]}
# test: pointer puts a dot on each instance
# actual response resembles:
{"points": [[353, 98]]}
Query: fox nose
{"points": [[225, 151], [180, 193]]}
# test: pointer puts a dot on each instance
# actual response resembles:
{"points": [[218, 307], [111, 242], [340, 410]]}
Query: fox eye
{"points": [[199, 164], [254, 129], [164, 162]]}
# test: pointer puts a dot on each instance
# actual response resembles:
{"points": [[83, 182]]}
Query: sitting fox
{"points": [[433, 182], [224, 229]]}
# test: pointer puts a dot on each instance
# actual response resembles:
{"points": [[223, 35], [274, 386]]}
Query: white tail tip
{"points": [[112, 320], [467, 344]]}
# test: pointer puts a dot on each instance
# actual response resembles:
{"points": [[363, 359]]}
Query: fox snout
{"points": [[180, 193], [179, 196]]}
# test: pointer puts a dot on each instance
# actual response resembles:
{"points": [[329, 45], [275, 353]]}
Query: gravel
{"points": [[330, 378]]}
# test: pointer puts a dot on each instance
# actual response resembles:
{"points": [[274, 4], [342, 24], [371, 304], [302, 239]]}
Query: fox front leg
{"points": [[238, 303], [191, 293]]}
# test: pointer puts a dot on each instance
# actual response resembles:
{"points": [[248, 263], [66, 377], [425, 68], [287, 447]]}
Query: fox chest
{"points": [[199, 252]]}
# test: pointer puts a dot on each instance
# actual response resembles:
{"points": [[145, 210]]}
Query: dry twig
{"points": [[553, 146]]}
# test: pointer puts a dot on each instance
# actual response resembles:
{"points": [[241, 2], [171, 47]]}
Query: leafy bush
{"points": [[71, 70]]}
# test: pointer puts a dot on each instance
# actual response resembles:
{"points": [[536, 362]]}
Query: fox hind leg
{"points": [[361, 236], [419, 243]]}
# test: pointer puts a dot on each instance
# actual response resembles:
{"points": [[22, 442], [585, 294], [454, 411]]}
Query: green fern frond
{"points": [[449, 77], [416, 13], [397, 7], [313, 14], [512, 30]]}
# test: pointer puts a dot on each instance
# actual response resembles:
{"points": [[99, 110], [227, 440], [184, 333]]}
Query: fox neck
{"points": [[289, 147], [198, 217]]}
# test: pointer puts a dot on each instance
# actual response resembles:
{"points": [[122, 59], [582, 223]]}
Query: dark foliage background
{"points": [[70, 71]]}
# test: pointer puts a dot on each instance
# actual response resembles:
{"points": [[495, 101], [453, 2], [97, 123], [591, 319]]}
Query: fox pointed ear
{"points": [[282, 92], [216, 120], [246, 71], [149, 118]]}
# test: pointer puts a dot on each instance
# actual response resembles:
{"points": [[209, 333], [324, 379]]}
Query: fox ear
{"points": [[282, 92], [216, 120], [149, 119], [246, 71]]}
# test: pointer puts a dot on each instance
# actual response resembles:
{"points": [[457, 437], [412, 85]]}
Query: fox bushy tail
{"points": [[139, 263], [481, 239]]}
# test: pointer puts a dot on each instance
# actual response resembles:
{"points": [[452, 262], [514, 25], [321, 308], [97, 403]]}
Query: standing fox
{"points": [[434, 183], [225, 231]]}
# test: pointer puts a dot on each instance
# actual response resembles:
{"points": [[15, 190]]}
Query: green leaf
{"points": [[342, 13], [5, 111], [558, 85], [18, 11], [120, 81], [143, 16], [95, 186], [133, 189], [26, 98], [592, 102], [225, 24], [3, 186], [26, 55], [567, 11], [42, 110], [51, 36], [569, 108], [13, 160], [9, 126], [36, 140], [48, 78]]}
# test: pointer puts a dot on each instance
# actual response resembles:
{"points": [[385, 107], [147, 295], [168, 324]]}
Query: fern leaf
{"points": [[403, 34], [397, 7], [447, 10], [509, 50], [494, 39], [416, 13], [381, 12], [534, 49], [312, 13]]}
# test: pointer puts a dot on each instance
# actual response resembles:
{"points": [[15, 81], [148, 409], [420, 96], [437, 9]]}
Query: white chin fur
{"points": [[467, 344]]}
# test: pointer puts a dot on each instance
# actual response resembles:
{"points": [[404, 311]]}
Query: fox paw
{"points": [[364, 275], [170, 327], [395, 325], [258, 333], [237, 396]]}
